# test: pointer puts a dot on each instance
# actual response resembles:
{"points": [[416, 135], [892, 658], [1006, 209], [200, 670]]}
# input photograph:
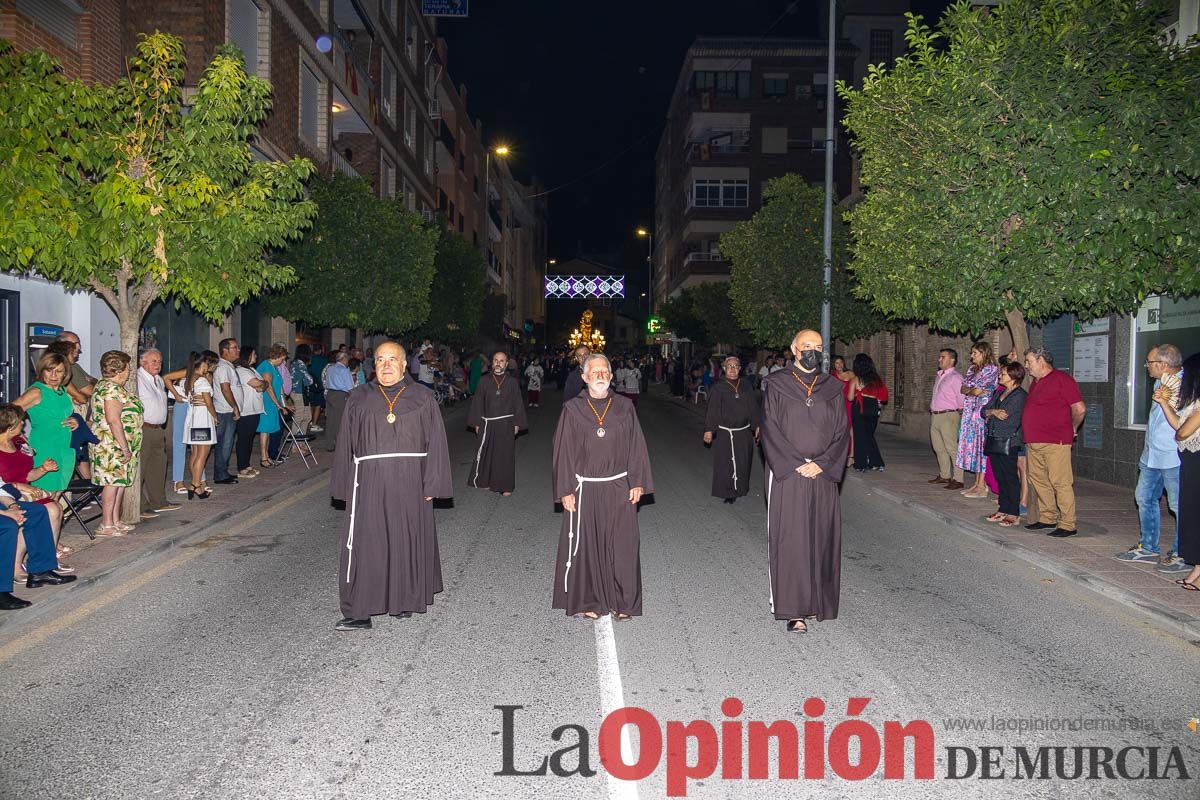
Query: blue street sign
{"points": [[444, 8]]}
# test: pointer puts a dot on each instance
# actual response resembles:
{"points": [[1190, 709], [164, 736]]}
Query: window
{"points": [[312, 107], [388, 93], [247, 25], [410, 36], [775, 85], [723, 84], [55, 17], [450, 215], [387, 180], [881, 46], [410, 196], [389, 11], [431, 76], [721, 193], [428, 152], [410, 122], [1159, 320], [461, 222]]}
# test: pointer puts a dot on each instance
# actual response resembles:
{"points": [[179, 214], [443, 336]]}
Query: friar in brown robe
{"points": [[391, 461], [731, 426], [574, 383], [601, 470], [804, 437], [497, 415]]}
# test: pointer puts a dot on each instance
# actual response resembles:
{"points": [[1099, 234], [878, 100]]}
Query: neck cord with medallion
{"points": [[807, 386], [600, 416], [499, 383], [736, 388], [391, 401]]}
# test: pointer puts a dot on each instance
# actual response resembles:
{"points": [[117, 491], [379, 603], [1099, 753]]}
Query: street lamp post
{"points": [[501, 151], [649, 269]]}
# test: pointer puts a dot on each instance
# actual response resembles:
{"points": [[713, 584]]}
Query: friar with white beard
{"points": [[601, 470], [391, 461], [804, 437], [496, 409]]}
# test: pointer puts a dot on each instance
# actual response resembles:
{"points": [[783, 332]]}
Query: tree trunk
{"points": [[1019, 330], [130, 320]]}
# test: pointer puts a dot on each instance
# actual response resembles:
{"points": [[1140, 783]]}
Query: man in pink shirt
{"points": [[945, 410]]}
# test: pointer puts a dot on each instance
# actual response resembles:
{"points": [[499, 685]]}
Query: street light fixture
{"points": [[649, 269]]}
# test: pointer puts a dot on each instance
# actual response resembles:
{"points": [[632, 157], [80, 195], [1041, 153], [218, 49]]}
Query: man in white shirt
{"points": [[533, 377], [227, 399], [633, 382], [618, 376], [153, 394]]}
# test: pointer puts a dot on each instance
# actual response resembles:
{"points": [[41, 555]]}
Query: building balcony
{"points": [[700, 152], [700, 261], [340, 164]]}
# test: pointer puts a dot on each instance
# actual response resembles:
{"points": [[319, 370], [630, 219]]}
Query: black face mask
{"points": [[810, 359]]}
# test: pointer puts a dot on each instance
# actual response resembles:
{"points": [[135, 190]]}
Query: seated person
{"points": [[32, 521], [16, 468]]}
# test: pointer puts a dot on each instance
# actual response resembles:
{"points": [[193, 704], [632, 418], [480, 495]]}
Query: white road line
{"points": [[612, 697]]}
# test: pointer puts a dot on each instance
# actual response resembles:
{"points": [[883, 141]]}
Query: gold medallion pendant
{"points": [[391, 418], [600, 432]]}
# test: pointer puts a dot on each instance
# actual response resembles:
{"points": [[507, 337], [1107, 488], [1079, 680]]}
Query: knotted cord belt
{"points": [[354, 498], [575, 531], [732, 453], [482, 440]]}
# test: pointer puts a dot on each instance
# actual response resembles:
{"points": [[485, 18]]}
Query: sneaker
{"points": [[167, 507], [1172, 563], [1137, 554]]}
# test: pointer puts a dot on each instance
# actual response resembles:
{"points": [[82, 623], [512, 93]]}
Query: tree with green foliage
{"points": [[459, 286], [121, 190], [778, 274], [704, 313], [1036, 159], [367, 263]]}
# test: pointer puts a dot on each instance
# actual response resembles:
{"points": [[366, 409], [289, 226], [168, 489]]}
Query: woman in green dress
{"points": [[49, 408], [116, 419]]}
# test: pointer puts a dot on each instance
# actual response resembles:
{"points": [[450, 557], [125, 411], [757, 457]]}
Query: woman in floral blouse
{"points": [[116, 419], [982, 376]]}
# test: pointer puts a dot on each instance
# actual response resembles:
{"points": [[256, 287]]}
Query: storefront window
{"points": [[1160, 320]]}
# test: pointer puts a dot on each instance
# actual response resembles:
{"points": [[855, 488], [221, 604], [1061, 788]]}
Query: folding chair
{"points": [[701, 389], [294, 439], [78, 494]]}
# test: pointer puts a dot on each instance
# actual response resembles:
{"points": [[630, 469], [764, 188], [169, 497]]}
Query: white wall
{"points": [[79, 311]]}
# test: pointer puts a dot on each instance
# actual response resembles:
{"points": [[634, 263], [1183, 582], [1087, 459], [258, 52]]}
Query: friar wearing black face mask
{"points": [[804, 437]]}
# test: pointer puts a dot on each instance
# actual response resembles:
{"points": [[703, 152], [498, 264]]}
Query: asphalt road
{"points": [[216, 673]]}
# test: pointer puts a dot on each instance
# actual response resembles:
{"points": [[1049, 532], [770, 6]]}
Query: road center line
{"points": [[60, 624], [612, 697]]}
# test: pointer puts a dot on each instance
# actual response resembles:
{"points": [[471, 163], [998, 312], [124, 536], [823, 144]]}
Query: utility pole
{"points": [[830, 140]]}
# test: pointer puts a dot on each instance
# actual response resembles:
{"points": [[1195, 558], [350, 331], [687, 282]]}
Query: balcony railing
{"points": [[700, 256], [706, 149], [342, 165], [435, 108]]}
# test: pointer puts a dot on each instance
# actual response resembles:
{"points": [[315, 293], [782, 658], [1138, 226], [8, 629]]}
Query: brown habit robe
{"points": [[804, 518], [731, 418], [573, 384], [389, 558], [495, 411], [606, 572]]}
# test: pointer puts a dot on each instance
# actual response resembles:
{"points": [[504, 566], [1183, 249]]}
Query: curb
{"points": [[85, 585], [1167, 619]]}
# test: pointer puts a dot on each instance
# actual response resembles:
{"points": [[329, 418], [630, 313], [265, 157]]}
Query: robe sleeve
{"points": [[475, 414], [520, 418], [712, 416], [639, 457], [564, 458], [755, 412], [782, 456], [833, 458], [342, 474], [437, 481]]}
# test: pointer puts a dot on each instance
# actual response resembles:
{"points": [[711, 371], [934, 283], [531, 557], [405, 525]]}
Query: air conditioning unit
{"points": [[435, 108], [705, 152]]}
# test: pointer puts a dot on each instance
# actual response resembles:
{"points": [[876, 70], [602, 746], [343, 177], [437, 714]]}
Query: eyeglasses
{"points": [[1156, 361]]}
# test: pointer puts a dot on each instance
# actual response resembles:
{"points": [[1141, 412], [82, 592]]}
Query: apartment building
{"points": [[744, 111]]}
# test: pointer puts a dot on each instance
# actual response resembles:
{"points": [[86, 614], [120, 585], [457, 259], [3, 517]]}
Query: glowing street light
{"points": [[501, 150], [649, 237]]}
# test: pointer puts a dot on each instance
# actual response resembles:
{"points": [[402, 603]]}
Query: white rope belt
{"points": [[354, 497], [482, 441], [575, 531], [732, 454]]}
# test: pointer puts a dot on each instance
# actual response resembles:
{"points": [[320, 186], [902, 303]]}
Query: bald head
{"points": [[390, 361], [499, 362], [811, 337], [806, 348]]}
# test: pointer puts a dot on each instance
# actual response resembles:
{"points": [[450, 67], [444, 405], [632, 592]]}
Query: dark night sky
{"points": [[571, 85]]}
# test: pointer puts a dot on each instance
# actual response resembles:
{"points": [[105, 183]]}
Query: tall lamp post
{"points": [[501, 151], [649, 269], [830, 142]]}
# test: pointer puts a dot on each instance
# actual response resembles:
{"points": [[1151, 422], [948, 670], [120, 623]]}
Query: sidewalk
{"points": [[94, 561], [1107, 519]]}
